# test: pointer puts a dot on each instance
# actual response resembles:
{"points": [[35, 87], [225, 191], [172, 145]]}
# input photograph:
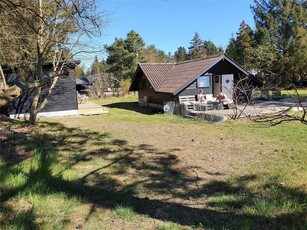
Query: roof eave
{"points": [[237, 65], [148, 78]]}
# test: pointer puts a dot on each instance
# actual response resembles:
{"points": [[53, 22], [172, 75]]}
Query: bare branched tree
{"points": [[100, 84], [242, 96], [35, 32], [296, 112]]}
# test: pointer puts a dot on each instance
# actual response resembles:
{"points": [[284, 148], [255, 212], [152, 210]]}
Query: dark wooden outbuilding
{"points": [[61, 102]]}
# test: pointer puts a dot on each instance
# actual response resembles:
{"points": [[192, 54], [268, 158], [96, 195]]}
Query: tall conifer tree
{"points": [[123, 55], [196, 50], [244, 46], [181, 54], [286, 22]]}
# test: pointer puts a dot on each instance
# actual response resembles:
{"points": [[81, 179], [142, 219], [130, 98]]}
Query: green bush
{"points": [[125, 84]]}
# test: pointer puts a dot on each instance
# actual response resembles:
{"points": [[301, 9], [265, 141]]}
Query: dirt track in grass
{"points": [[176, 161]]}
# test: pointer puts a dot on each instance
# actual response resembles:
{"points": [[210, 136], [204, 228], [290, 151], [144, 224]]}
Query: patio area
{"points": [[256, 108]]}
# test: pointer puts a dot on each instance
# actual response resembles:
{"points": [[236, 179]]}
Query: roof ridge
{"points": [[201, 59], [161, 63]]}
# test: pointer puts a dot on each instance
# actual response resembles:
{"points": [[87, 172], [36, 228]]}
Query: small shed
{"points": [[61, 102]]}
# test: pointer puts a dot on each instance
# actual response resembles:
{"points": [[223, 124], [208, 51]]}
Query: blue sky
{"points": [[169, 24]]}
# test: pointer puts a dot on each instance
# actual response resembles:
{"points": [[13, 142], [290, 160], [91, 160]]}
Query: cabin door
{"points": [[217, 85], [227, 85]]}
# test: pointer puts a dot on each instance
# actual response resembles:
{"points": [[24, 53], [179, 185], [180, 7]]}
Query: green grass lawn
{"points": [[293, 94], [137, 168]]}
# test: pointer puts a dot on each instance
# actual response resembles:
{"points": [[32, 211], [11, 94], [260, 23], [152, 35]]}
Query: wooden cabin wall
{"points": [[145, 89], [62, 98]]}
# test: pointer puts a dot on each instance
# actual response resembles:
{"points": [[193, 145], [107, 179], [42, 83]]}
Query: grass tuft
{"points": [[124, 212], [169, 226], [21, 221], [12, 181]]}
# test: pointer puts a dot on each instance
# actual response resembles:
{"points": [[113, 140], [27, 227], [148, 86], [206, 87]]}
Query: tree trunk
{"points": [[39, 46], [34, 106]]}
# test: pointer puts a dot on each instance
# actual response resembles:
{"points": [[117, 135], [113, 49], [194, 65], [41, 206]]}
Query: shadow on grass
{"points": [[230, 205], [133, 106]]}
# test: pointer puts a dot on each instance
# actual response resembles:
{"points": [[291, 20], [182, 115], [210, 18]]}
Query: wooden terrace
{"points": [[91, 108]]}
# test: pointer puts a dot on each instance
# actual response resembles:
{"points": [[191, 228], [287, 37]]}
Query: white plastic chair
{"points": [[143, 102]]}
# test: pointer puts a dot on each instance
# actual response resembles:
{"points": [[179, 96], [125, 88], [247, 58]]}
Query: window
{"points": [[203, 81], [216, 79]]}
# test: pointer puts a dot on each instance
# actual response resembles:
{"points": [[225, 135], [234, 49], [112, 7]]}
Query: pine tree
{"points": [[241, 48], [231, 49], [134, 42], [117, 55], [123, 55], [285, 21], [196, 50], [244, 46], [98, 67], [210, 48], [181, 54], [95, 66], [151, 54], [264, 53]]}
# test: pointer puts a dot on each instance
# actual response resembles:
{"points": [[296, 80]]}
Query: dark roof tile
{"points": [[157, 72], [171, 77], [184, 72]]}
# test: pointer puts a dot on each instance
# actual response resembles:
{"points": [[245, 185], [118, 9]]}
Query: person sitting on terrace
{"points": [[201, 96], [222, 98]]}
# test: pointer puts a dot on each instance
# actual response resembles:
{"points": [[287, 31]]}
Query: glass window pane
{"points": [[203, 81]]}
